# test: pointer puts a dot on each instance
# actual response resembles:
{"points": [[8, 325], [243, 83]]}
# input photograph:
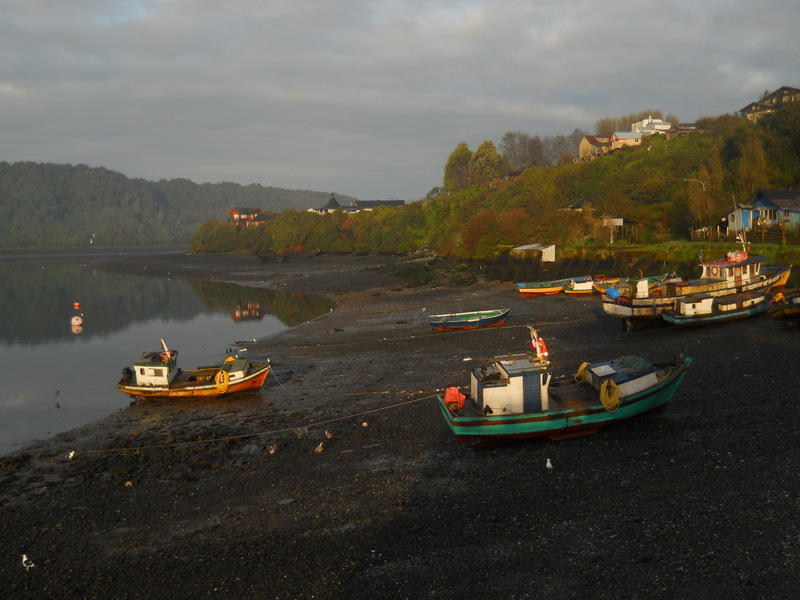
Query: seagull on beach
{"points": [[328, 434], [549, 466], [27, 562], [71, 455], [319, 448]]}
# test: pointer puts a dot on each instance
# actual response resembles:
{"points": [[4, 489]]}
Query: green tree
{"points": [[456, 171], [485, 165], [752, 166]]}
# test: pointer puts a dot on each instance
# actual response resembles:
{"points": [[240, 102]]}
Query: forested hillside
{"points": [[648, 184], [64, 205]]}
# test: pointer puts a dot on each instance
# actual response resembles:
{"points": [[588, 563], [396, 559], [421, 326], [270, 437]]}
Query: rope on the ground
{"points": [[240, 436]]}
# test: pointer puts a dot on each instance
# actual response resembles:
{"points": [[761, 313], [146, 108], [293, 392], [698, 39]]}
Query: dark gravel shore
{"points": [[185, 499]]}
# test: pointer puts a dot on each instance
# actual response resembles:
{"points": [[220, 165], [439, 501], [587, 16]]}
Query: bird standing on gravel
{"points": [[27, 562], [549, 466]]}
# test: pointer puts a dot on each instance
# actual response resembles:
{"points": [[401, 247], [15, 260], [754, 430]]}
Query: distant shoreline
{"points": [[87, 252]]}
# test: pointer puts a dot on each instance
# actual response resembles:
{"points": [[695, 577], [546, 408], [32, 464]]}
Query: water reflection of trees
{"points": [[36, 301], [291, 309]]}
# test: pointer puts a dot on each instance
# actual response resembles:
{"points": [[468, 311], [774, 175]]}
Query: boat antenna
{"points": [[164, 346], [741, 237]]}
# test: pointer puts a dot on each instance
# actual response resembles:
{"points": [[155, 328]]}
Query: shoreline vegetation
{"points": [[341, 480]]}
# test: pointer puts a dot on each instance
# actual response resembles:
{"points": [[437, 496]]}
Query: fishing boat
{"points": [[589, 284], [580, 285], [468, 320], [736, 273], [622, 283], [785, 306], [517, 396], [542, 288], [702, 309], [156, 375]]}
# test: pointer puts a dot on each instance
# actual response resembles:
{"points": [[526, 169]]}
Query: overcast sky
{"points": [[365, 98]]}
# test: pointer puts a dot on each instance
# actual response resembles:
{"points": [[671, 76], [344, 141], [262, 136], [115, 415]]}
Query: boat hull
{"points": [[760, 305], [199, 389], [563, 422], [542, 288], [654, 305], [476, 320], [785, 307]]}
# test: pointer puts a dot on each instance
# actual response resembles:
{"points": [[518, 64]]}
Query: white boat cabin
{"points": [[516, 384], [156, 369], [736, 267], [704, 304]]}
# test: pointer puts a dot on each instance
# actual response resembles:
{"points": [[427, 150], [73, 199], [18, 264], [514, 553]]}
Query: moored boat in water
{"points": [[468, 320], [156, 375], [517, 396]]}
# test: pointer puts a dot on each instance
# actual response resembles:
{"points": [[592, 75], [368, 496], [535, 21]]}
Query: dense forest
{"points": [[476, 214], [65, 206]]}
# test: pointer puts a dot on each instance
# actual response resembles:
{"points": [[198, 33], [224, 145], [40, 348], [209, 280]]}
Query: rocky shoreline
{"points": [[232, 499]]}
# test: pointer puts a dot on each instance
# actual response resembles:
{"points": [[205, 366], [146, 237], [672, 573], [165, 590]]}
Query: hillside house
{"points": [[592, 146], [767, 208], [650, 126], [755, 110], [621, 139], [244, 216], [355, 206]]}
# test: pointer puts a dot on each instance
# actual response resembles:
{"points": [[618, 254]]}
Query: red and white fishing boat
{"points": [[156, 375]]}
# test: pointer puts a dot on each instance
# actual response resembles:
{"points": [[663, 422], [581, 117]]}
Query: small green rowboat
{"points": [[468, 320]]}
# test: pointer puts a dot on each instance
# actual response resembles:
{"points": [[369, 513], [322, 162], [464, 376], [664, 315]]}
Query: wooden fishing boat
{"points": [[785, 306], [468, 320], [156, 375], [542, 288], [623, 283], [580, 285], [517, 396], [738, 272], [702, 309]]}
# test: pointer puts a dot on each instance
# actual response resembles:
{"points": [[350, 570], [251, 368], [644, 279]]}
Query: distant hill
{"points": [[53, 205]]}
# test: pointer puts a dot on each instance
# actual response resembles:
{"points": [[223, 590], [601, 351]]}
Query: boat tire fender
{"points": [[579, 376], [609, 395], [222, 380]]}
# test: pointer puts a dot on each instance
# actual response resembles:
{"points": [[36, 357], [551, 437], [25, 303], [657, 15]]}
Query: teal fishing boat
{"points": [[516, 396], [703, 309]]}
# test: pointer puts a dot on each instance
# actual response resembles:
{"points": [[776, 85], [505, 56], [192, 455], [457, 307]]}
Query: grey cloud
{"points": [[359, 97]]}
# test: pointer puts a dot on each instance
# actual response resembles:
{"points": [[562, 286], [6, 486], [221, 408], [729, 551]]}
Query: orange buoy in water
{"points": [[76, 305]]}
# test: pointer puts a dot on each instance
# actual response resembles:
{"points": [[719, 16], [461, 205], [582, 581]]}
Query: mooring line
{"points": [[75, 453]]}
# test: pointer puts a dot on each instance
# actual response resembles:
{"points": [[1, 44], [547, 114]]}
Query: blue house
{"points": [[767, 208]]}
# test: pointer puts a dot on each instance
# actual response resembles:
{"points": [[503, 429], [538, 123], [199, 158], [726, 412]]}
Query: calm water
{"points": [[57, 376]]}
